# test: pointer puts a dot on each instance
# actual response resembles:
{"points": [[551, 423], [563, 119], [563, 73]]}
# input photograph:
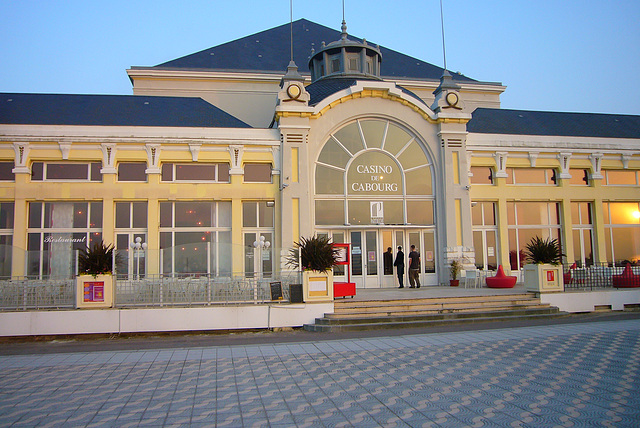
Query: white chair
{"points": [[471, 277]]}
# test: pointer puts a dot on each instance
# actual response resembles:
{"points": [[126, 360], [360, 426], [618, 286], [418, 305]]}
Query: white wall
{"points": [[98, 321], [587, 301]]}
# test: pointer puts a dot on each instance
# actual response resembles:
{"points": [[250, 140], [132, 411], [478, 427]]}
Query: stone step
{"points": [[340, 304], [383, 311], [427, 316], [425, 305], [421, 322]]}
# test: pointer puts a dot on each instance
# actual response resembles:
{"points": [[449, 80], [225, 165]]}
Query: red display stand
{"points": [[344, 289]]}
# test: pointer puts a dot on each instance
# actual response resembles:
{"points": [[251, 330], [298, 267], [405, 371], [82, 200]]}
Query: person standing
{"points": [[414, 268], [399, 264], [388, 262]]}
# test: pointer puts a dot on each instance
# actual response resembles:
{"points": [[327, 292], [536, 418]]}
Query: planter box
{"points": [[543, 278], [94, 291], [317, 286]]}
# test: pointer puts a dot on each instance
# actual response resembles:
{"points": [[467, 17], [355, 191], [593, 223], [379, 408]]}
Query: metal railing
{"points": [[593, 277], [27, 293], [20, 294], [198, 290]]}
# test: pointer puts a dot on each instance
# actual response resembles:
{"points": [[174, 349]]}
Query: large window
{"points": [[6, 171], [195, 238], [51, 171], [257, 173], [527, 220], [481, 175], [625, 177], [485, 232], [55, 231], [196, 172], [131, 225], [132, 171], [582, 226], [529, 176], [258, 220], [579, 177], [6, 237], [622, 232], [373, 172]]}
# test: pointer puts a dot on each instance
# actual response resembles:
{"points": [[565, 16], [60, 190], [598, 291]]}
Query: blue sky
{"points": [[562, 55]]}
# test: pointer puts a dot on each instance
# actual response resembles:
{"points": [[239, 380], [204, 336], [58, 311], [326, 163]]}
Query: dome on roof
{"points": [[345, 58]]}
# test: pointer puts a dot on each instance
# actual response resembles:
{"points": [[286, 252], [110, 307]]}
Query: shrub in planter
{"points": [[315, 256], [94, 282], [544, 271], [96, 260], [314, 253], [541, 251]]}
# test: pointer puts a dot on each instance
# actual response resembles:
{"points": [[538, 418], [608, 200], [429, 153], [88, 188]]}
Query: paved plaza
{"points": [[575, 374]]}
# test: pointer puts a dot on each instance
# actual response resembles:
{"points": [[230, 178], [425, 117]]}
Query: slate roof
{"points": [[269, 51], [321, 89], [524, 122], [112, 110]]}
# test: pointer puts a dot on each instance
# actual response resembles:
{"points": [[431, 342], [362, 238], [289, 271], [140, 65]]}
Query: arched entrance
{"points": [[374, 189]]}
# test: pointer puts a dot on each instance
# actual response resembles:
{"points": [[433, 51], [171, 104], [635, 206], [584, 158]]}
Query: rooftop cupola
{"points": [[345, 58]]}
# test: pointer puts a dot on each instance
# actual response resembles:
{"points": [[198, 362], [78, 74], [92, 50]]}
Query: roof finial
{"points": [[344, 24]]}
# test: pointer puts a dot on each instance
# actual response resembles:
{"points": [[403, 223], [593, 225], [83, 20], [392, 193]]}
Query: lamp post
{"points": [[261, 244], [137, 246]]}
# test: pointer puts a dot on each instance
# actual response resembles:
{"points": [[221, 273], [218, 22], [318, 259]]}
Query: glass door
{"points": [[364, 258]]}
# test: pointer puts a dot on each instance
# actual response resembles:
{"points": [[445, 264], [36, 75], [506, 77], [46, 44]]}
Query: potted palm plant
{"points": [[454, 269], [543, 272], [315, 257], [94, 281]]}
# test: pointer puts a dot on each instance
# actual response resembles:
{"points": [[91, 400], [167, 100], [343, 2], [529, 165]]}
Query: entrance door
{"points": [[364, 258], [372, 267], [393, 239]]}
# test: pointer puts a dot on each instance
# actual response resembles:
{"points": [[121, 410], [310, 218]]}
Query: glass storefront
{"points": [[195, 238], [55, 231], [374, 188]]}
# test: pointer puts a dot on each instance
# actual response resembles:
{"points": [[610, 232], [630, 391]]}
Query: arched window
{"points": [[373, 171]]}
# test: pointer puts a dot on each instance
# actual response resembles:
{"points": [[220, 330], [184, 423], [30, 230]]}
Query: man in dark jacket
{"points": [[399, 264], [414, 268]]}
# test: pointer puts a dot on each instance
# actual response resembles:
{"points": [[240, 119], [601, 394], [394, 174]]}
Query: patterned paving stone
{"points": [[571, 375]]}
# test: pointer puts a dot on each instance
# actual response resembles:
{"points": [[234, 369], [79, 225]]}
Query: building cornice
{"points": [[133, 134], [266, 77], [491, 142]]}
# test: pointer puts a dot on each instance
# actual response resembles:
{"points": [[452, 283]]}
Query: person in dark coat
{"points": [[414, 268], [388, 262], [399, 264]]}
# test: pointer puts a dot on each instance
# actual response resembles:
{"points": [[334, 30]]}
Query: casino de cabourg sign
{"points": [[372, 179]]}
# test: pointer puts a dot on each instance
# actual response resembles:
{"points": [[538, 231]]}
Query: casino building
{"points": [[349, 139]]}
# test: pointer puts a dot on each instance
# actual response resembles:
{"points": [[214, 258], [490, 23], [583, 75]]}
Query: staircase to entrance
{"points": [[354, 315]]}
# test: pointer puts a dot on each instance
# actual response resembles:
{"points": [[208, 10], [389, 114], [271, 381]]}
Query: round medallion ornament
{"points": [[452, 99], [294, 91]]}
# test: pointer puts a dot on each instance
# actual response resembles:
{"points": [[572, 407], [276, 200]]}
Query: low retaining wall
{"points": [[589, 301], [111, 321]]}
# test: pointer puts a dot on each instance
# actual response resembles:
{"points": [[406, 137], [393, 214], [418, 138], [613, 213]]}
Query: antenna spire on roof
{"points": [[291, 26], [444, 52], [344, 24]]}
